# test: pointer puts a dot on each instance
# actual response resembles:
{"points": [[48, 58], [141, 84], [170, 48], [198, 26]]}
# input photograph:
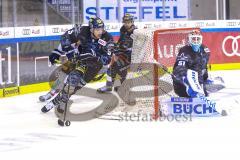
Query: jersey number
{"points": [[70, 32], [181, 63]]}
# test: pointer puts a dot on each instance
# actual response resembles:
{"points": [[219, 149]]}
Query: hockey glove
{"points": [[66, 44], [53, 57], [72, 54], [104, 60]]}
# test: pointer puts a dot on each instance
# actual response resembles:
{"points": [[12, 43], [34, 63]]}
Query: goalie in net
{"points": [[155, 54], [193, 56]]}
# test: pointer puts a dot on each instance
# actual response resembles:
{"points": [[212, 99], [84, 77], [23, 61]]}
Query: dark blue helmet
{"points": [[96, 23], [90, 21], [127, 17]]}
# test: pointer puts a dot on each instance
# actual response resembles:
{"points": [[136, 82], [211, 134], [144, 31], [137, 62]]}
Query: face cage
{"points": [[195, 40]]}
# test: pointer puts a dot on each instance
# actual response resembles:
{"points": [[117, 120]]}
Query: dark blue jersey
{"points": [[125, 41], [90, 47], [188, 59], [69, 38]]}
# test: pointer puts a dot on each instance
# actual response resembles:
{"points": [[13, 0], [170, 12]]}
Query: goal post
{"points": [[166, 44]]}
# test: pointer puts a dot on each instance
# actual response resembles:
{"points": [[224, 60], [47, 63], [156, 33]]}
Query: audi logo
{"points": [[234, 46], [26, 31], [172, 25], [231, 24], [199, 24], [55, 30]]}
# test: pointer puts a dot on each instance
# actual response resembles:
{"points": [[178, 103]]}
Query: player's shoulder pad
{"points": [[84, 29], [135, 27], [107, 36], [67, 33], [122, 29], [184, 52], [185, 48], [206, 49], [84, 34]]}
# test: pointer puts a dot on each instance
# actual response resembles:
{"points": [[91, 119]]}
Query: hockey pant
{"points": [[75, 81], [120, 68], [61, 75]]}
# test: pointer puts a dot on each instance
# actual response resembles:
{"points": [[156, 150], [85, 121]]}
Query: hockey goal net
{"points": [[149, 80]]}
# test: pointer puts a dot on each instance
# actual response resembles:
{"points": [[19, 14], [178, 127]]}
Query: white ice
{"points": [[25, 133]]}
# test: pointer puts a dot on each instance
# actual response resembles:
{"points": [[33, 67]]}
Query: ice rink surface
{"points": [[25, 133]]}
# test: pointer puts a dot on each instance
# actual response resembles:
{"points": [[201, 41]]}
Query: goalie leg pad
{"points": [[193, 88], [192, 78]]}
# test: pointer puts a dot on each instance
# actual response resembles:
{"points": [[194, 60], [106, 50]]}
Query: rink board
{"points": [[27, 54], [44, 86]]}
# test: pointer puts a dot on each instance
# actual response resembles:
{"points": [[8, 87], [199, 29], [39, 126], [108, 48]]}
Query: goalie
{"points": [[190, 71]]}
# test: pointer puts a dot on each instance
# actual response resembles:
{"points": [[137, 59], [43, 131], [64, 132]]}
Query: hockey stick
{"points": [[64, 121]]}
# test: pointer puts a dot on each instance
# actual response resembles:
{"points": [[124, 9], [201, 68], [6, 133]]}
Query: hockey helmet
{"points": [[96, 23], [127, 17], [195, 40]]}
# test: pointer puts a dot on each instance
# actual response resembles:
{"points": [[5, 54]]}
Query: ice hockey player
{"points": [[92, 54], [69, 41], [122, 56], [190, 71]]}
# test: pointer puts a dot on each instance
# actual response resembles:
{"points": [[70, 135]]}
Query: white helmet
{"points": [[195, 40]]}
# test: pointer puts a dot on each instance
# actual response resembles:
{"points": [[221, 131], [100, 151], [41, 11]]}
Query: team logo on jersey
{"points": [[102, 42], [182, 57], [207, 50]]}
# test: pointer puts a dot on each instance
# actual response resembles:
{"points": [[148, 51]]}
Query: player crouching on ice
{"points": [[190, 69], [193, 58], [91, 56], [122, 55], [190, 72]]}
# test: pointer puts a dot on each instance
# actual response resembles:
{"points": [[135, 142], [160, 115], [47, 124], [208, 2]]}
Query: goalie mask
{"points": [[195, 40]]}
